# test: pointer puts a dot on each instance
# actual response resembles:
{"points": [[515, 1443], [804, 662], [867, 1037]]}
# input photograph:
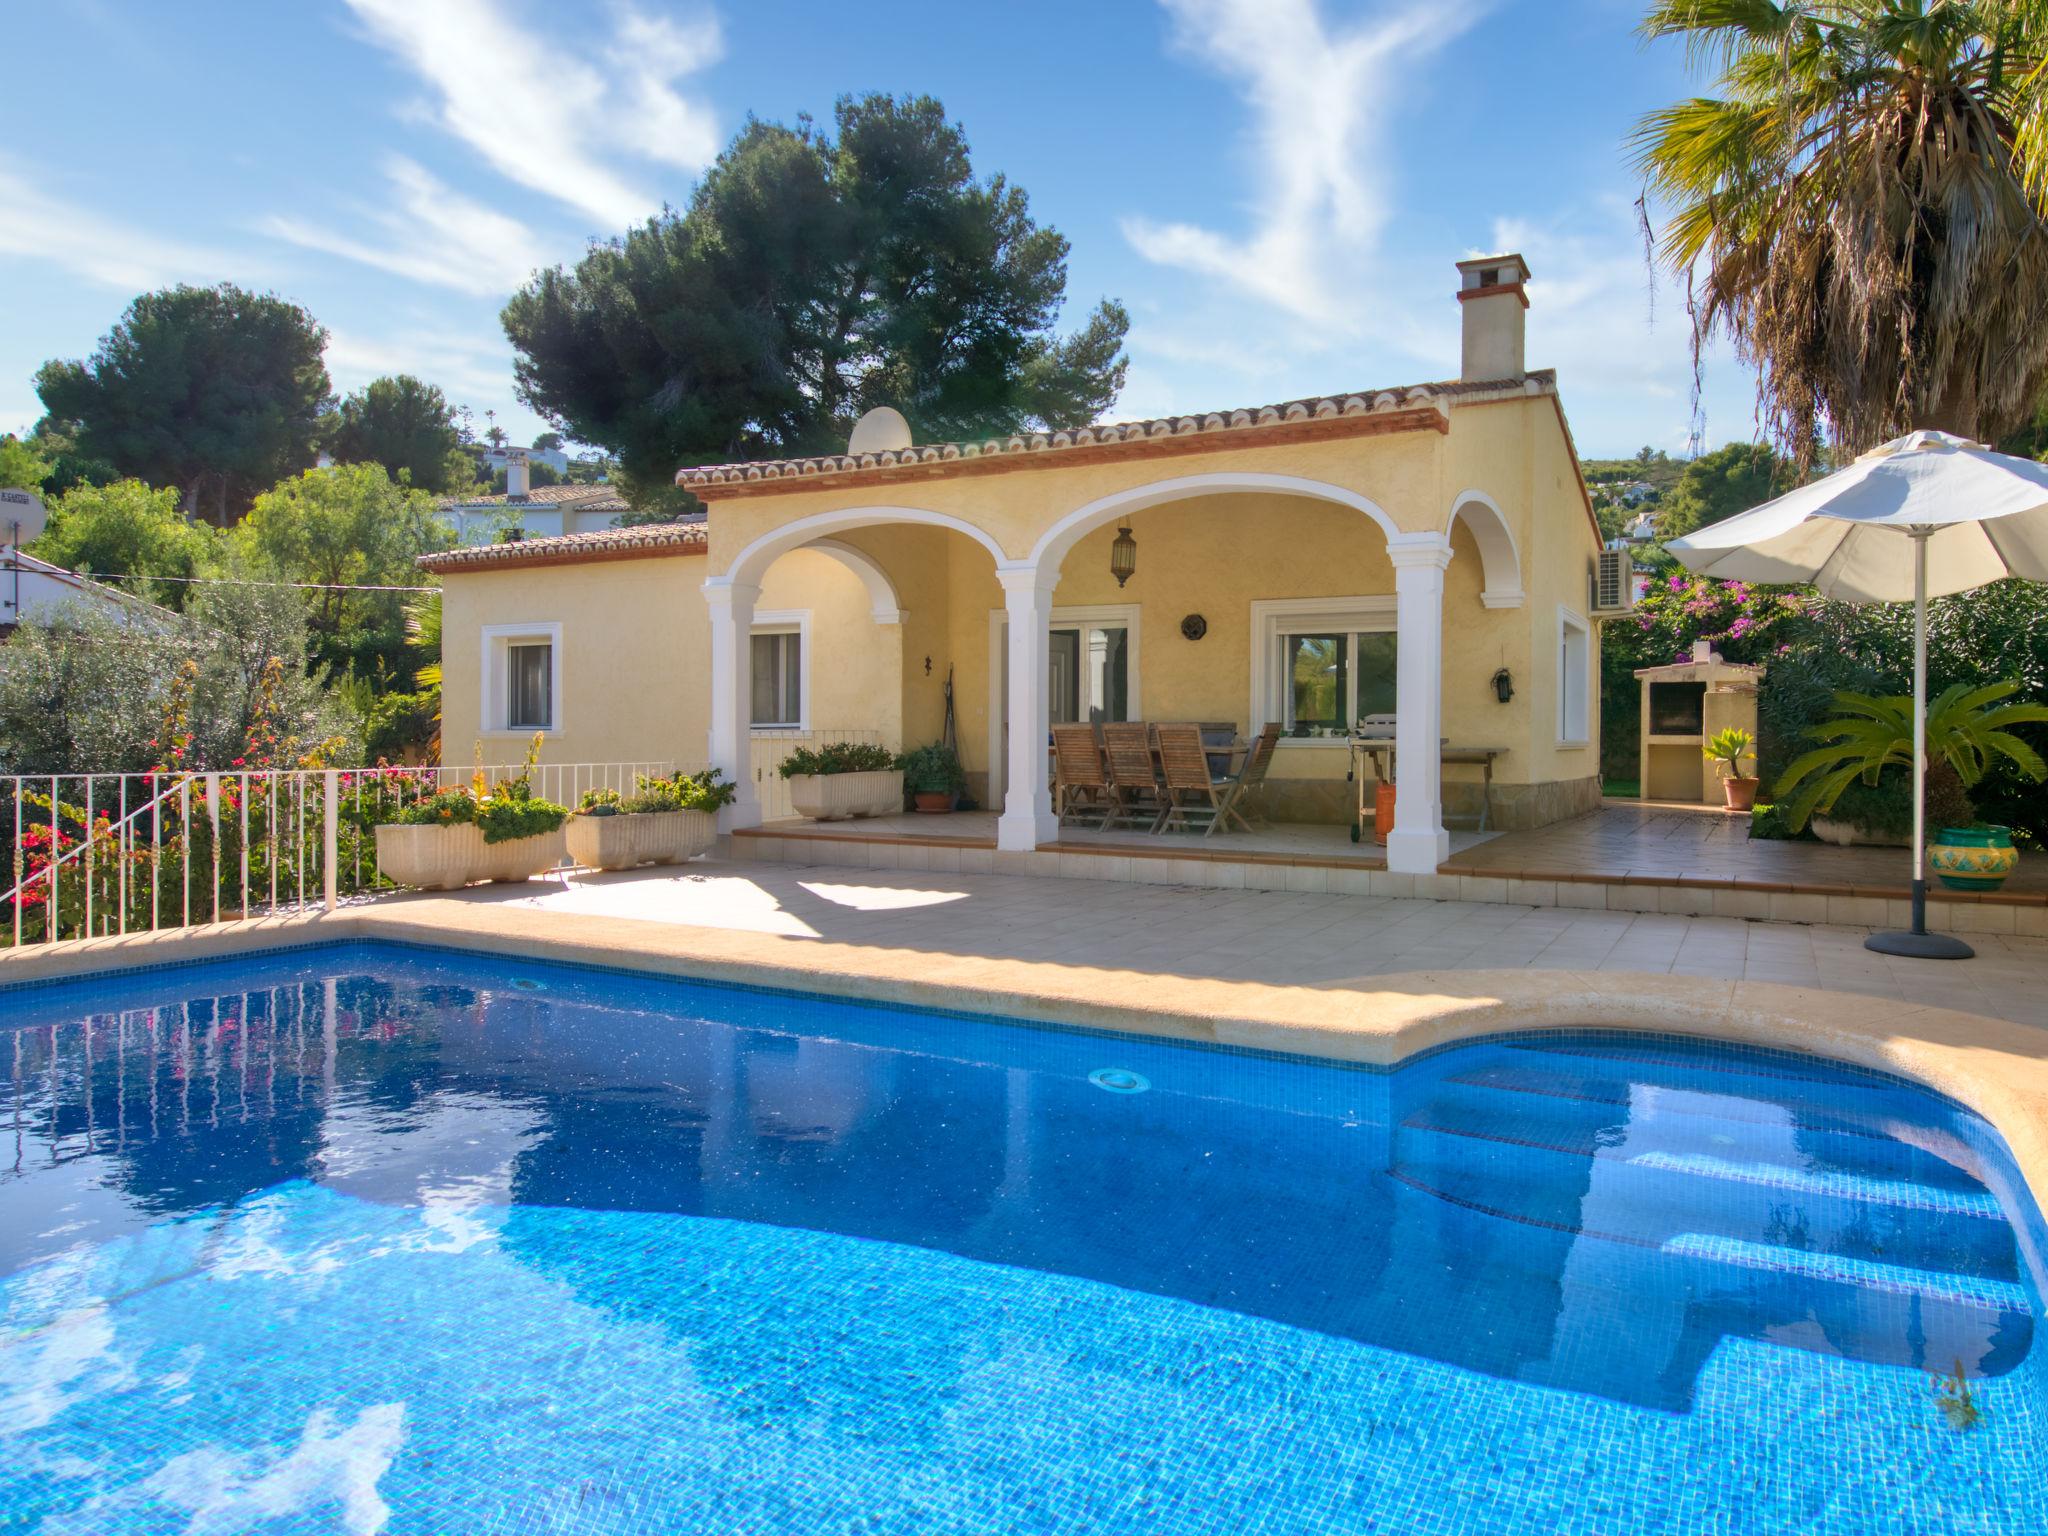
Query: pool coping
{"points": [[1993, 1066]]}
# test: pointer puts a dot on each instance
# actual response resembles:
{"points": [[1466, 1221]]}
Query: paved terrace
{"points": [[1269, 938], [1626, 857]]}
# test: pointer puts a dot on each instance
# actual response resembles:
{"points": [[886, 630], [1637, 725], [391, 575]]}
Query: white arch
{"points": [[1500, 559], [1057, 541], [883, 603], [752, 562]]}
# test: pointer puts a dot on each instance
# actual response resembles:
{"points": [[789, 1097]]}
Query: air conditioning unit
{"points": [[1614, 584]]}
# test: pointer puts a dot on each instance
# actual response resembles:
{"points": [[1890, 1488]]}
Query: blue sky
{"points": [[1276, 188]]}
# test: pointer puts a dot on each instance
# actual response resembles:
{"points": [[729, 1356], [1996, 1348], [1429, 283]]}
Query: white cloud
{"points": [[43, 227], [1622, 351], [544, 117], [470, 367], [1320, 98], [432, 235]]}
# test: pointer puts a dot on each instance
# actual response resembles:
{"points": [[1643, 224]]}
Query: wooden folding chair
{"points": [[1133, 780], [1251, 778], [1190, 791], [1079, 784]]}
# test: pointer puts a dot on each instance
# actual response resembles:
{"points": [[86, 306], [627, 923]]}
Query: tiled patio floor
{"points": [[1275, 937], [977, 829], [1623, 841], [1626, 839]]}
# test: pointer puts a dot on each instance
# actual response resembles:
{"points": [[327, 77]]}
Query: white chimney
{"points": [[517, 478], [1491, 293]]}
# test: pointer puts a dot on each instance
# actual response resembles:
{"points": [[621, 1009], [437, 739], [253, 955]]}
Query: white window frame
{"points": [[1572, 625], [494, 705], [788, 621], [1276, 618]]}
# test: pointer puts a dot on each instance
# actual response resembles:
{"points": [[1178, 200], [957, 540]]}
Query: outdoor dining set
{"points": [[1156, 777]]}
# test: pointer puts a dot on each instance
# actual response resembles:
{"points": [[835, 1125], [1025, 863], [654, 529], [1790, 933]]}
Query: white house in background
{"points": [[538, 514], [37, 590], [495, 459]]}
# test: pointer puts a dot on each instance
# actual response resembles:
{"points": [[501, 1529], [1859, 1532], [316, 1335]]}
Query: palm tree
{"points": [[1861, 208]]}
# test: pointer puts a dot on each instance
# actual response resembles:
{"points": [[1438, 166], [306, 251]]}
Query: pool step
{"points": [[1717, 1265], [1651, 1196], [1685, 1125]]}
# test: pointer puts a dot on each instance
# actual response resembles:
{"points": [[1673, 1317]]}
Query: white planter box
{"points": [[444, 858], [644, 837], [1843, 835], [838, 796]]}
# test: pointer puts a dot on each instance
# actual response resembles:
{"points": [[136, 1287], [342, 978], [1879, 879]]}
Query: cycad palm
{"points": [[1971, 727], [1860, 209]]}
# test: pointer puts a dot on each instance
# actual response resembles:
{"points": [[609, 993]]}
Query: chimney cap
{"points": [[1507, 270]]}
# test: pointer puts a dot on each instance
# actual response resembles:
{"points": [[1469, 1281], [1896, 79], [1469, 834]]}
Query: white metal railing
{"points": [[770, 747], [94, 854]]}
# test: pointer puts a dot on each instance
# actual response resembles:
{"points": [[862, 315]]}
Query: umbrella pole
{"points": [[1917, 943]]}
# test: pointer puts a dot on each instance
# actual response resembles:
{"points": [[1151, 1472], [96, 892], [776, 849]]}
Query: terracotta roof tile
{"points": [[645, 541], [1406, 397], [582, 498]]}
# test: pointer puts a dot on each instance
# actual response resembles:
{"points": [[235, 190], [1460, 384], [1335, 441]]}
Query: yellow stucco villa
{"points": [[1425, 552]]}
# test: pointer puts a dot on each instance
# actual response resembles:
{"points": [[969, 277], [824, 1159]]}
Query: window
{"points": [[522, 678], [1574, 678], [1322, 664], [1336, 679], [778, 680], [529, 676], [1090, 673]]}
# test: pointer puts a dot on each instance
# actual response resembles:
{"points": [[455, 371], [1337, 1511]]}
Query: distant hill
{"points": [[1622, 488]]}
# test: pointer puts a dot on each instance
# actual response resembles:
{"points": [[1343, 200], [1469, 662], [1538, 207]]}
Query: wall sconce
{"points": [[1123, 556], [1503, 685]]}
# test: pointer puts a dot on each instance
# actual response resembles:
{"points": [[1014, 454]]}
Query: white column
{"points": [[1419, 842], [1027, 818], [732, 691]]}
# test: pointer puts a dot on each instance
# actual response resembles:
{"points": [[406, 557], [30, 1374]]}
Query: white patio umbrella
{"points": [[1923, 516]]}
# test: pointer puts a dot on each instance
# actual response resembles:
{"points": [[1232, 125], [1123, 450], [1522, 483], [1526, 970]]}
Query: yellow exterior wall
{"points": [[1212, 554], [634, 633], [635, 641]]}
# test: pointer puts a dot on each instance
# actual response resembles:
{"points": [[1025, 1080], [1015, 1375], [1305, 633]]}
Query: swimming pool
{"points": [[369, 1238]]}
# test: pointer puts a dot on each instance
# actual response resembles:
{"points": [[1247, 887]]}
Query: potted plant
{"points": [[479, 831], [933, 777], [1856, 787], [664, 821], [842, 780], [1729, 748]]}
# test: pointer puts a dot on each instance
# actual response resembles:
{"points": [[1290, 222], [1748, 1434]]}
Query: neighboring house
{"points": [[1388, 552], [539, 514], [35, 589], [495, 459]]}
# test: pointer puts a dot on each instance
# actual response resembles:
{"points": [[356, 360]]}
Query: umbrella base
{"points": [[1920, 946]]}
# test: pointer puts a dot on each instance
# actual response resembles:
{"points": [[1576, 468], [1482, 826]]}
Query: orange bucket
{"points": [[1382, 812]]}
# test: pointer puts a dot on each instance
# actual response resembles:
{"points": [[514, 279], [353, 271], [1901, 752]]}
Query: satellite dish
{"points": [[880, 431], [22, 517]]}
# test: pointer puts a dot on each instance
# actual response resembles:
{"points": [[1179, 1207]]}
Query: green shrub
{"points": [[932, 770], [706, 791], [838, 757], [503, 811]]}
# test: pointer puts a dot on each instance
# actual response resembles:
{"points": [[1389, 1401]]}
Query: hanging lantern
{"points": [[1123, 556]]}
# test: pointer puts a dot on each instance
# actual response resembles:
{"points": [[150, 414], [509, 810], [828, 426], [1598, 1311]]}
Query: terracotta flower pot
{"points": [[933, 803], [1741, 793]]}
